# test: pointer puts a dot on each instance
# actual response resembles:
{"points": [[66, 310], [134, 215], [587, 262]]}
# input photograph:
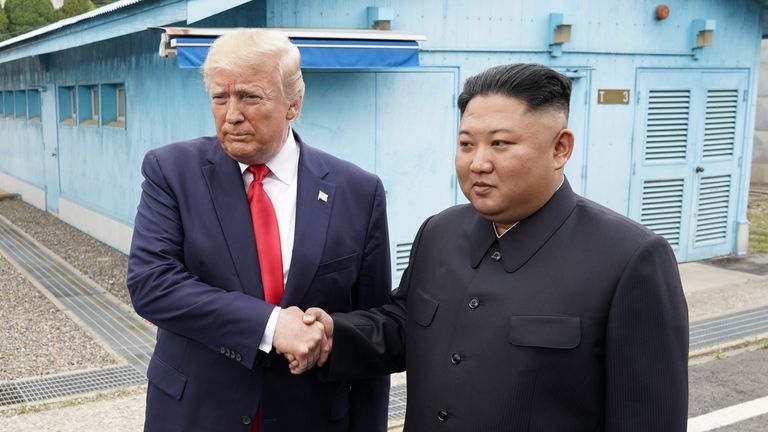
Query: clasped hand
{"points": [[304, 338]]}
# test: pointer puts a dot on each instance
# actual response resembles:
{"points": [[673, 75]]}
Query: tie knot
{"points": [[259, 171]]}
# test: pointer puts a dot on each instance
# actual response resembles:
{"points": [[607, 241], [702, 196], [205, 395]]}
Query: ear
{"points": [[563, 148], [294, 109]]}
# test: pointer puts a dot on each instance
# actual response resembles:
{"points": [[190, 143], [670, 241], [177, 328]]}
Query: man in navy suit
{"points": [[197, 269]]}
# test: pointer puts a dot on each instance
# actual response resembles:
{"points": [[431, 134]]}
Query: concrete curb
{"points": [[713, 352]]}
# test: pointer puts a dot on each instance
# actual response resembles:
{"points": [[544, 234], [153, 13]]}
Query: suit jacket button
{"points": [[474, 302], [222, 350], [496, 255], [246, 420], [455, 358], [238, 357], [442, 415]]}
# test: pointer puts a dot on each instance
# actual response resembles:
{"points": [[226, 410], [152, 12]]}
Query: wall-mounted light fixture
{"points": [[702, 35], [559, 33], [662, 12], [380, 18]]}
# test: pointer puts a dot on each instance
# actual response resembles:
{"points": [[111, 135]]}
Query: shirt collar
{"points": [[285, 163]]}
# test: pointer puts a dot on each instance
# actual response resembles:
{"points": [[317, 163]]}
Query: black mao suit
{"points": [[573, 321]]}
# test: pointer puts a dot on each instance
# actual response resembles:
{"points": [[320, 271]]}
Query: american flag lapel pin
{"points": [[322, 196]]}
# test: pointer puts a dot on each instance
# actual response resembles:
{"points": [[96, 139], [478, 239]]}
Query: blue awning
{"points": [[358, 50]]}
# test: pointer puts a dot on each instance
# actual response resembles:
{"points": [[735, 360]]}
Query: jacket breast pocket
{"points": [[336, 265], [424, 308], [559, 332]]}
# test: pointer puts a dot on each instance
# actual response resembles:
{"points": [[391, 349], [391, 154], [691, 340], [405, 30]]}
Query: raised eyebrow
{"points": [[463, 132], [495, 131]]}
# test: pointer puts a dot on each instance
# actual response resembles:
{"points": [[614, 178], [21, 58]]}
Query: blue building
{"points": [[663, 101]]}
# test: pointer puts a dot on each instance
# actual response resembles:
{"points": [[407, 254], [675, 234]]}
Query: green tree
{"points": [[3, 25], [100, 3], [75, 7], [26, 15]]}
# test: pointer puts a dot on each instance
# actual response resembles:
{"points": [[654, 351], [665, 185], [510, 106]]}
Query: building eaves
{"points": [[68, 22]]}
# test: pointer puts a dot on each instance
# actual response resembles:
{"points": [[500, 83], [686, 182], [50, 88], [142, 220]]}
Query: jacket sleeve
{"points": [[647, 345], [372, 342], [167, 294]]}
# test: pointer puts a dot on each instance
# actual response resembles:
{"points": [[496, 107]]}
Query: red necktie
{"points": [[267, 236]]}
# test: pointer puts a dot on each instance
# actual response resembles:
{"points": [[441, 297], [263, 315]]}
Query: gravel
{"points": [[37, 338], [103, 264]]}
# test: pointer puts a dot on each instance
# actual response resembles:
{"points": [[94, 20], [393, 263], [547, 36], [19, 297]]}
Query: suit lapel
{"points": [[312, 217], [225, 184], [523, 241]]}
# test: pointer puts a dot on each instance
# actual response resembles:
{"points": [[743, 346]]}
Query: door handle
{"points": [[699, 169], [53, 154]]}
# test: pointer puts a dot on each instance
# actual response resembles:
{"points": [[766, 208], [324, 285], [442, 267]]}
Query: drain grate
{"points": [[731, 327], [56, 386], [127, 335], [397, 402]]}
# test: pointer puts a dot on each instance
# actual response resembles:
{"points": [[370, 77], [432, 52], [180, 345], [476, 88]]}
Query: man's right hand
{"points": [[313, 317], [301, 342]]}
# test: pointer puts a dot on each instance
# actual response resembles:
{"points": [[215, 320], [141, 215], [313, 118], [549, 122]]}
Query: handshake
{"points": [[304, 338]]}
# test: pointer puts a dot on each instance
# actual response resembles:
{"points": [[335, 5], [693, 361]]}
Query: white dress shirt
{"points": [[280, 184]]}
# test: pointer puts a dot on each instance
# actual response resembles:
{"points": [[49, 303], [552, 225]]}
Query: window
{"points": [[20, 97], [113, 105], [8, 103], [88, 105], [67, 107], [33, 105], [2, 104]]}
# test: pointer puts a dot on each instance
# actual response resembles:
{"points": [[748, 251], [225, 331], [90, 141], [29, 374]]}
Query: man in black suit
{"points": [[532, 309]]}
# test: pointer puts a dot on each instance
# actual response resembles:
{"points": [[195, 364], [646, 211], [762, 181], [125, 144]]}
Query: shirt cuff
{"points": [[269, 331]]}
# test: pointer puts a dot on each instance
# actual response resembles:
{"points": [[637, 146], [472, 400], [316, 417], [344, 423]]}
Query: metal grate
{"points": [[662, 208], [712, 209], [666, 132], [731, 327], [50, 387], [123, 331], [720, 123], [397, 402]]}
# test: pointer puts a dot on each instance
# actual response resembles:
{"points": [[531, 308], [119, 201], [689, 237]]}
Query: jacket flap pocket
{"points": [[424, 308], [545, 331], [166, 378], [336, 265]]}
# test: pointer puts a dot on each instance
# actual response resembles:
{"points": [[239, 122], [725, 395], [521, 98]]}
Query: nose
{"points": [[481, 162], [234, 114]]}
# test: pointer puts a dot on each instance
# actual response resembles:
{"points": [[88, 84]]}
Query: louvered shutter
{"points": [[666, 136], [712, 208], [662, 208], [402, 255], [720, 123]]}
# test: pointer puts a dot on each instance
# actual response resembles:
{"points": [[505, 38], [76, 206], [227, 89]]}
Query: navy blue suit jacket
{"points": [[193, 271]]}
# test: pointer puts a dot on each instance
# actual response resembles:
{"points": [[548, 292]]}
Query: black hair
{"points": [[538, 86]]}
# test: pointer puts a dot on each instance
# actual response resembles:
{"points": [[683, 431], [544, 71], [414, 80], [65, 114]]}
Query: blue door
{"points": [[400, 125], [687, 143], [51, 148]]}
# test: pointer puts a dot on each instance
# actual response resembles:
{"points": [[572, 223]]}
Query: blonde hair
{"points": [[241, 49]]}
